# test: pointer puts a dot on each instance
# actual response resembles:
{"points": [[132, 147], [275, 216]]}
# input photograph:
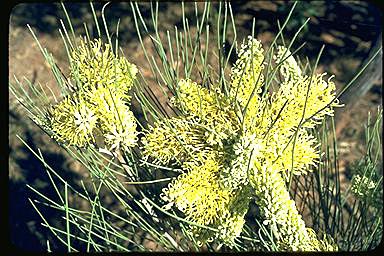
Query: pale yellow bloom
{"points": [[301, 91], [279, 211], [73, 121], [177, 139], [94, 63], [212, 109], [197, 192], [225, 155], [117, 122], [101, 102], [246, 75]]}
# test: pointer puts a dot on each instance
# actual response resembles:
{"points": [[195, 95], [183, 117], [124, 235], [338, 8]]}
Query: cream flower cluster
{"points": [[100, 105], [366, 183], [228, 160], [198, 141], [362, 185]]}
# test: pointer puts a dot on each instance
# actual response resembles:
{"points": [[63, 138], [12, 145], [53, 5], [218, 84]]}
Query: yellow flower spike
{"points": [[289, 68], [293, 93], [199, 195], [173, 139], [102, 99], [279, 211], [247, 71], [212, 108], [73, 121], [117, 122], [197, 192], [246, 76], [252, 156], [94, 64], [265, 174]]}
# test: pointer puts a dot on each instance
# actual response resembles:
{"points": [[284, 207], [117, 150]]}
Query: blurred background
{"points": [[350, 30]]}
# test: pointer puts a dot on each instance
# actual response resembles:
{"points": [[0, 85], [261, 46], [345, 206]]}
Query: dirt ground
{"points": [[347, 39]]}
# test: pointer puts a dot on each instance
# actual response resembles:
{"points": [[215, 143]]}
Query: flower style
{"points": [[101, 102], [228, 160]]}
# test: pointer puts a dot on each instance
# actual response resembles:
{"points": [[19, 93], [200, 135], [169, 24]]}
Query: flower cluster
{"points": [[73, 120], [197, 140], [362, 186], [100, 105], [228, 160], [94, 63], [211, 108], [366, 183], [246, 74], [366, 189]]}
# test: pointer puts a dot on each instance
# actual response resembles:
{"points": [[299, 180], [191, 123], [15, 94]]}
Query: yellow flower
{"points": [[101, 102], [278, 210], [227, 157], [176, 139], [289, 68], [94, 63], [293, 93], [117, 122], [197, 192], [73, 121], [246, 75], [212, 109]]}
